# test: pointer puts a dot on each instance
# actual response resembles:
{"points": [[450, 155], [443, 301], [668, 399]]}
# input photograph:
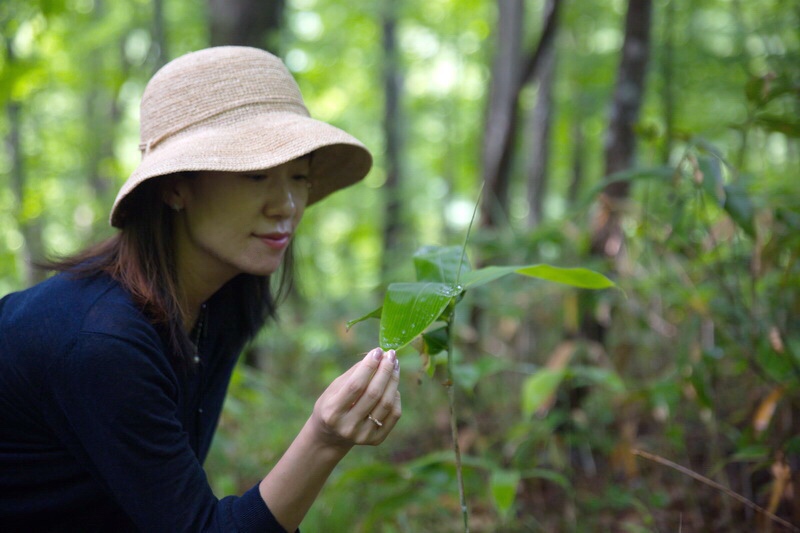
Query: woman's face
{"points": [[230, 223]]}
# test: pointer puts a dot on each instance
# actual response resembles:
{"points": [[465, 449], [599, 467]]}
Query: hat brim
{"points": [[259, 143]]}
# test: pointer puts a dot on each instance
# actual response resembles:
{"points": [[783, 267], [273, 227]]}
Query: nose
{"points": [[279, 201]]}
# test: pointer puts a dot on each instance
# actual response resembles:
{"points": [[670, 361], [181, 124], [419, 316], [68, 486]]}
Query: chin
{"points": [[261, 270]]}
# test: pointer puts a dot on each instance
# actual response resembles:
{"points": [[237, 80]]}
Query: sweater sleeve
{"points": [[113, 403]]}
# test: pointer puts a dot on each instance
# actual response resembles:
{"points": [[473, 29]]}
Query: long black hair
{"points": [[141, 257]]}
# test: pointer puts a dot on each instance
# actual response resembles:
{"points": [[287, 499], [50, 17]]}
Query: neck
{"points": [[199, 277]]}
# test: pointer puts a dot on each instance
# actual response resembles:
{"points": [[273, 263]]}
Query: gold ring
{"points": [[375, 421]]}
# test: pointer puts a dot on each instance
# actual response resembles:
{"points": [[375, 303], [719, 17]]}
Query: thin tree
{"points": [[510, 74], [392, 128], [540, 124], [246, 23], [620, 145], [620, 141], [32, 247]]}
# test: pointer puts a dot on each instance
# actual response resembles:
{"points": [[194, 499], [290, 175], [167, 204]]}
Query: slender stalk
{"points": [[711, 483], [451, 397]]}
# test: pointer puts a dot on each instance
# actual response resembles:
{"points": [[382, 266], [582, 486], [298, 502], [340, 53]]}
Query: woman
{"points": [[113, 372]]}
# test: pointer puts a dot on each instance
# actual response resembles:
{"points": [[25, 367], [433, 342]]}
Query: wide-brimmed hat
{"points": [[236, 109]]}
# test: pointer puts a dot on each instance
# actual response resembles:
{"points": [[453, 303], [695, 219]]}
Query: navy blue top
{"points": [[100, 429]]}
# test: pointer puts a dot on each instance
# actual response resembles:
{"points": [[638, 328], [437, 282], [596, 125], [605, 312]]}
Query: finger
{"points": [[387, 401], [379, 434], [384, 376], [356, 383]]}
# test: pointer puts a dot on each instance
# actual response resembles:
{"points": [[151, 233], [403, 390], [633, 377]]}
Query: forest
{"points": [[654, 142]]}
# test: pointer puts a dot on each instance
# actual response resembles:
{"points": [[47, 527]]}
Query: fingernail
{"points": [[392, 356], [397, 366], [377, 354]]}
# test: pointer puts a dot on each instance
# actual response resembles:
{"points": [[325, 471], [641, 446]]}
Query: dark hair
{"points": [[141, 257]]}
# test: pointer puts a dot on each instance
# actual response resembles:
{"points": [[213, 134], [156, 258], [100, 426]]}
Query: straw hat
{"points": [[236, 109]]}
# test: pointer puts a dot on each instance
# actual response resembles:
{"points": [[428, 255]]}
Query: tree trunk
{"points": [[103, 114], [620, 142], [246, 22], [620, 148], [507, 84], [578, 148], [32, 247], [540, 136], [501, 118], [392, 83], [668, 88], [159, 50]]}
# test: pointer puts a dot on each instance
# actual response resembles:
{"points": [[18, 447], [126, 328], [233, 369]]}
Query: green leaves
{"points": [[436, 263], [575, 277], [443, 275], [409, 308], [539, 388]]}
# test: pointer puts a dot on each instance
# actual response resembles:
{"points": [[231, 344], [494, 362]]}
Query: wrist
{"points": [[324, 445]]}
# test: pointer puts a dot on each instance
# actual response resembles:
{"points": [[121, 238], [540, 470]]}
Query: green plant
{"points": [[424, 310]]}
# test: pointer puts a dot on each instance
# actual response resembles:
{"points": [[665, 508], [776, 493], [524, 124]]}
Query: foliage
{"points": [[409, 309]]}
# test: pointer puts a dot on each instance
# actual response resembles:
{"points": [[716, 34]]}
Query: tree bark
{"points": [[578, 165], [392, 128], [501, 119], [103, 114], [32, 247], [620, 149], [668, 88], [620, 142], [540, 136], [159, 49], [502, 116], [246, 23]]}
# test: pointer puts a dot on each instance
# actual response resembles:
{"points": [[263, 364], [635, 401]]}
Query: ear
{"points": [[174, 190]]}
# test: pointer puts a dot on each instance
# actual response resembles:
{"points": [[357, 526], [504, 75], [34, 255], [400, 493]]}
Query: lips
{"points": [[275, 240]]}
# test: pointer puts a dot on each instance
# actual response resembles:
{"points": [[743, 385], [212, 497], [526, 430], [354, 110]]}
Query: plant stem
{"points": [[451, 397]]}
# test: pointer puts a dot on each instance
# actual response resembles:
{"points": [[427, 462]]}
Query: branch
{"points": [[532, 66], [711, 483]]}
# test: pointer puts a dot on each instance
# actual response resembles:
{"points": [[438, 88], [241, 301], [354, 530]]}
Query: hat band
{"points": [[151, 143]]}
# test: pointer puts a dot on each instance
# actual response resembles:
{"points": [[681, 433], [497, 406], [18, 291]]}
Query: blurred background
{"points": [[655, 141]]}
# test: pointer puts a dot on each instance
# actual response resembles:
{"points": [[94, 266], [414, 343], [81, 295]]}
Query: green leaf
{"points": [[539, 387], [780, 124], [372, 314], [409, 308], [755, 452], [712, 178], [435, 341], [576, 277], [740, 208], [550, 475], [468, 375], [664, 173], [601, 376], [476, 278], [503, 487], [440, 264]]}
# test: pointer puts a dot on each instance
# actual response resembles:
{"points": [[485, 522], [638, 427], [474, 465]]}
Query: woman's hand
{"points": [[362, 405], [341, 419]]}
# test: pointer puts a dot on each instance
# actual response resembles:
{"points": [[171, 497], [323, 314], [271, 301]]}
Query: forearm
{"points": [[344, 416], [291, 487]]}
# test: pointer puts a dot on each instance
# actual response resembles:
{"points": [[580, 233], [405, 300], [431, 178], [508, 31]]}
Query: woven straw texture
{"points": [[236, 109]]}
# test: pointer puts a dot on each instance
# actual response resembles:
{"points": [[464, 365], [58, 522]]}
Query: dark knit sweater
{"points": [[100, 428]]}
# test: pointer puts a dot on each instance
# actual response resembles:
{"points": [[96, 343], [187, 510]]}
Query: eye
{"points": [[300, 177], [256, 177]]}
